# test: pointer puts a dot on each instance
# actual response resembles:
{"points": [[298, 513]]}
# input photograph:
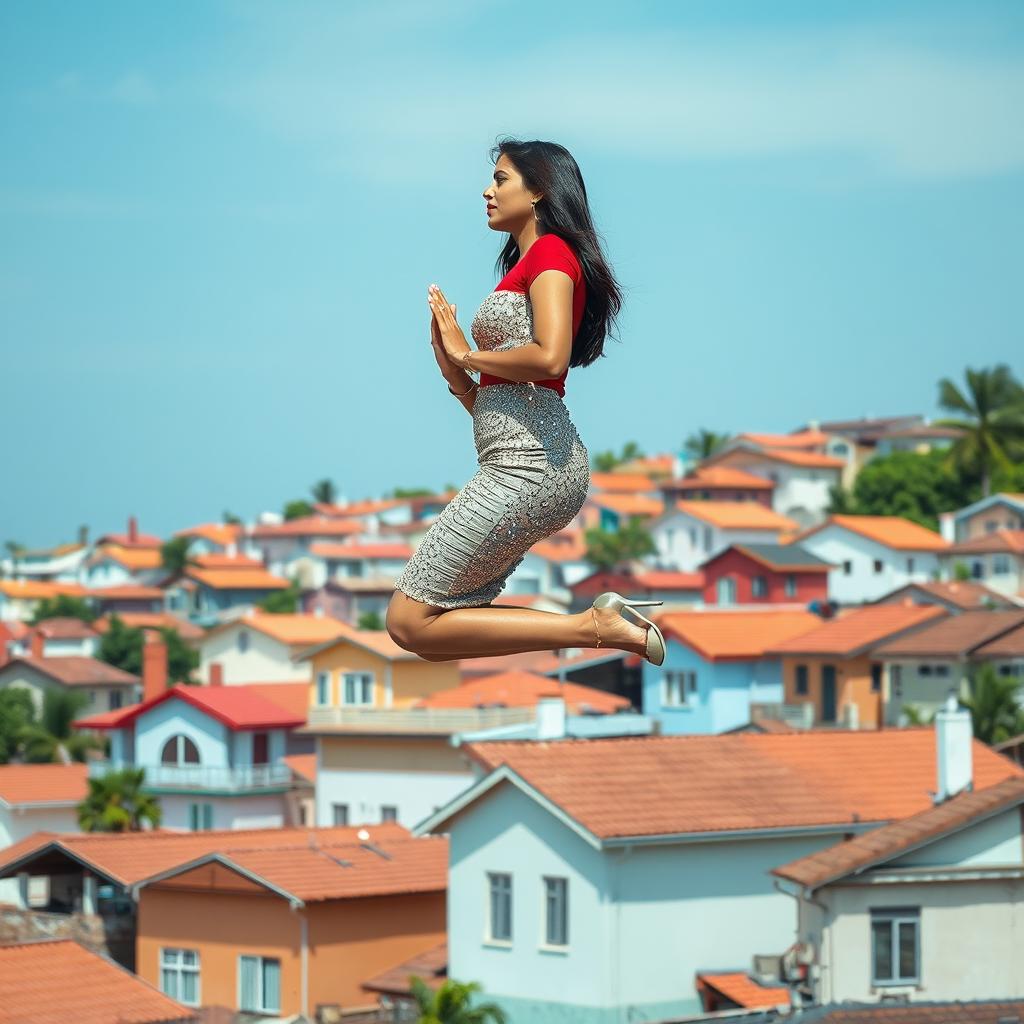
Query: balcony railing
{"points": [[419, 720], [242, 779]]}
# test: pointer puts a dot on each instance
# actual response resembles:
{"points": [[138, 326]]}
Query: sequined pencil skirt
{"points": [[533, 479]]}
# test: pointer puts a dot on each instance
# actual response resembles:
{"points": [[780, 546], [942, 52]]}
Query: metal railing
{"points": [[241, 779], [434, 720]]}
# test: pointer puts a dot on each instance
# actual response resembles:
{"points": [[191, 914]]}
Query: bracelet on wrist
{"points": [[462, 394]]}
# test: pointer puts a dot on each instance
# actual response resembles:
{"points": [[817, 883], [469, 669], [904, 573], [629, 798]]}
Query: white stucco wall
{"points": [[265, 661], [681, 540], [159, 724], [228, 812], [18, 822]]}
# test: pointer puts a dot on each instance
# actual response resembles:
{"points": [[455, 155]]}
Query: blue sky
{"points": [[218, 221]]}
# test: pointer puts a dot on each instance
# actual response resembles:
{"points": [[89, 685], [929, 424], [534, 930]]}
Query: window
{"points": [[847, 567], [259, 984], [556, 911], [200, 817], [261, 748], [358, 688], [179, 975], [910, 565], [941, 670], [116, 699], [876, 678], [790, 584], [499, 927], [759, 586], [243, 641], [678, 687], [801, 680], [894, 945], [726, 590], [339, 813], [896, 679], [977, 570], [878, 565], [924, 670], [323, 688], [707, 538], [179, 750], [388, 813], [1000, 565]]}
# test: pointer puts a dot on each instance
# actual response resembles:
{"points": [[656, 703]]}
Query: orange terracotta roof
{"points": [[58, 981], [36, 590], [519, 689], [623, 483], [431, 966], [303, 765], [368, 506], [809, 460], [309, 526], [327, 549], [722, 476], [669, 579], [629, 504], [859, 629], [725, 635], [65, 628], [1011, 541], [953, 636], [75, 670], [42, 784], [964, 594], [808, 439], [222, 534], [127, 592], [630, 786], [129, 857], [300, 628], [131, 558], [890, 531], [744, 991], [126, 540], [568, 545], [217, 560], [735, 515], [237, 579], [152, 620], [292, 697], [882, 844]]}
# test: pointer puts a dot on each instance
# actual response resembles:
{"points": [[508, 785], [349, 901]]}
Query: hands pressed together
{"points": [[446, 337]]}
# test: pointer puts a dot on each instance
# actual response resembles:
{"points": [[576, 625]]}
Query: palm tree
{"points": [[324, 492], [451, 1003], [996, 713], [991, 415], [52, 739], [174, 556], [704, 443], [116, 802]]}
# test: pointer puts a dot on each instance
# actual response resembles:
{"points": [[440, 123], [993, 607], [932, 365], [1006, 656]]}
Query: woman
{"points": [[550, 311]]}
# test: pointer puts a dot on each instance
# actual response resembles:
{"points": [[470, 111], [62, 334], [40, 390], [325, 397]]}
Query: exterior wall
{"points": [[415, 775], [99, 696], [685, 543], [159, 724], [348, 941], [725, 691], [927, 693], [642, 921], [258, 811], [57, 647], [266, 661], [998, 516], [16, 823], [1002, 572], [810, 586], [835, 544], [853, 686], [106, 573]]}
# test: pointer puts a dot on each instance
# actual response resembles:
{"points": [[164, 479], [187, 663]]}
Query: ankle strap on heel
{"points": [[593, 612]]}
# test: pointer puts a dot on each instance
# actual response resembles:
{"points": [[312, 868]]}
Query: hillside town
{"points": [[228, 794]]}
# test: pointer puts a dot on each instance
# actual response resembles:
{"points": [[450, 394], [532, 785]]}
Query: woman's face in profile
{"points": [[509, 203]]}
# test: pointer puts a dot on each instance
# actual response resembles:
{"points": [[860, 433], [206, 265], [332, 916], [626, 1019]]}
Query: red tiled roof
{"points": [[237, 707], [961, 593], [37, 590], [1011, 541], [431, 966], [219, 560], [741, 989], [152, 620], [219, 533], [127, 592], [292, 697], [518, 689], [237, 579], [65, 628], [326, 549], [310, 526], [735, 515], [711, 477], [953, 635], [987, 1012], [636, 483], [858, 630], [882, 844], [667, 579], [890, 531], [59, 982], [42, 784], [1009, 645], [300, 628], [303, 765], [628, 504], [75, 670], [630, 786], [723, 635]]}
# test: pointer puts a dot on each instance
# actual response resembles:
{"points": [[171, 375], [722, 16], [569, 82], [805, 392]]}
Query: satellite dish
{"points": [[362, 835]]}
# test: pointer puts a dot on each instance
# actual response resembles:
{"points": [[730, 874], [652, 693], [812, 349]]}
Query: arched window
{"points": [[179, 750]]}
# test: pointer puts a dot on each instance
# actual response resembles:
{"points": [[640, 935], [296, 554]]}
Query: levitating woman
{"points": [[551, 310]]}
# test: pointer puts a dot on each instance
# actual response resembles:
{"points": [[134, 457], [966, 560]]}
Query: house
{"points": [[996, 559], [716, 670], [132, 538], [615, 509], [619, 482], [128, 598], [552, 566], [260, 647], [921, 439], [924, 666], [214, 538], [393, 987], [765, 574], [719, 483], [923, 906], [111, 565], [668, 585], [350, 599], [834, 669], [214, 755], [60, 980], [803, 478], [154, 622], [612, 873], [278, 544], [1005, 653], [691, 532], [20, 598], [349, 560], [61, 636], [1001, 511], [953, 595], [59, 564], [873, 554]]}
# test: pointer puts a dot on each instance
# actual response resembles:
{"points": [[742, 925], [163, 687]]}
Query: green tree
{"points": [[961, 572], [174, 556], [16, 714], [297, 509], [370, 620], [704, 443], [324, 492], [606, 462], [230, 518], [996, 714], [63, 606], [418, 492], [614, 549], [52, 739], [917, 716], [121, 647], [283, 602], [990, 412], [117, 802], [452, 1003]]}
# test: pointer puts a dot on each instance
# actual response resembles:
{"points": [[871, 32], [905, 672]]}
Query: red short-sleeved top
{"points": [[549, 252]]}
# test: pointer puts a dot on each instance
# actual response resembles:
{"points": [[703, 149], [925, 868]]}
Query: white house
{"points": [[924, 909], [873, 555], [113, 566], [59, 564], [612, 873], [62, 636], [995, 560], [20, 598], [325, 560], [1002, 511], [688, 533], [104, 686]]}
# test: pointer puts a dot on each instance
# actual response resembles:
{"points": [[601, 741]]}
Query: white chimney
{"points": [[953, 741], [551, 718]]}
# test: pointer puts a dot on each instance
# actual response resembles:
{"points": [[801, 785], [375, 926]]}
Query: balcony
{"points": [[415, 721], [164, 778]]}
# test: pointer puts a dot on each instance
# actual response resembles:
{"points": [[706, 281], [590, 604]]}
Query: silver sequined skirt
{"points": [[533, 479]]}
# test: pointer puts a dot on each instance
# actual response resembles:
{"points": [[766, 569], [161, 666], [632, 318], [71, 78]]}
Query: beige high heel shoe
{"points": [[655, 652]]}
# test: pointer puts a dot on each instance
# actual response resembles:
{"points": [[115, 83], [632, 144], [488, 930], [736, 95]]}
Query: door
{"points": [[828, 693], [260, 748]]}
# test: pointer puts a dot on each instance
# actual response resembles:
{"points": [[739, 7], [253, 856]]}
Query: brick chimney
{"points": [[38, 642], [216, 673], [154, 666], [133, 529]]}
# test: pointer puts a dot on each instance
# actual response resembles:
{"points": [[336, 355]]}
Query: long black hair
{"points": [[549, 168]]}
